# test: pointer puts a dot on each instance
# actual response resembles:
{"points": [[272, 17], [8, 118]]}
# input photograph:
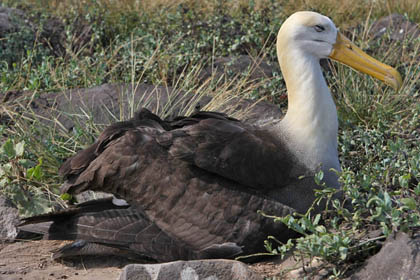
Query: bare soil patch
{"points": [[32, 260]]}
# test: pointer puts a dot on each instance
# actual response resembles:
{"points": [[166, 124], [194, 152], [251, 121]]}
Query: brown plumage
{"points": [[200, 194], [190, 198]]}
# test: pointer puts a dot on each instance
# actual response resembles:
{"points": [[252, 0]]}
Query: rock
{"points": [[398, 27], [9, 219], [256, 68], [53, 35], [83, 38], [7, 22], [23, 31], [399, 258], [190, 270]]}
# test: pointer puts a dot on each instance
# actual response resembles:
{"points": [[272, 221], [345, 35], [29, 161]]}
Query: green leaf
{"points": [[387, 200], [20, 148], [373, 199], [385, 228], [8, 149], [36, 205], [404, 180], [410, 202], [417, 189], [321, 229], [343, 252], [5, 169], [377, 214], [318, 177], [4, 182], [26, 163], [317, 218], [36, 172], [66, 196]]}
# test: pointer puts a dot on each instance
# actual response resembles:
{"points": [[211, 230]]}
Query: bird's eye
{"points": [[319, 28]]}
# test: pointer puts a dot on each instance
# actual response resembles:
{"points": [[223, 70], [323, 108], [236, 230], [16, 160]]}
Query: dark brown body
{"points": [[195, 184]]}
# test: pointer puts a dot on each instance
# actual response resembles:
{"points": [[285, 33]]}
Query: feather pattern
{"points": [[168, 170]]}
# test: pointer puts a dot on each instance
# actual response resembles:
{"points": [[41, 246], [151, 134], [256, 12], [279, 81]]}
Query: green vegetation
{"points": [[24, 181], [169, 43]]}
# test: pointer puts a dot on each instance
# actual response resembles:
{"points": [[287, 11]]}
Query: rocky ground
{"points": [[398, 259], [32, 260]]}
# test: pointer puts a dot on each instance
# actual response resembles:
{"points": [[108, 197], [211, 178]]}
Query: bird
{"points": [[195, 184]]}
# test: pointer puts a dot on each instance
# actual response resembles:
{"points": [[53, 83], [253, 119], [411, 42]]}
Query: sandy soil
{"points": [[31, 260]]}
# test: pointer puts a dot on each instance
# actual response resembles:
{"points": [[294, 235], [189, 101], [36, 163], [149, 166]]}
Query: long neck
{"points": [[310, 125]]}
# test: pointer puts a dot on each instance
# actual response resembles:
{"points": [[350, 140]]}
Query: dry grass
{"points": [[342, 12]]}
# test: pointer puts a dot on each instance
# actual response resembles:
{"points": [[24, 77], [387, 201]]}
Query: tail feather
{"points": [[103, 228], [80, 209], [85, 248]]}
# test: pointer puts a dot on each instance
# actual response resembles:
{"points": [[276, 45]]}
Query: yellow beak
{"points": [[346, 52]]}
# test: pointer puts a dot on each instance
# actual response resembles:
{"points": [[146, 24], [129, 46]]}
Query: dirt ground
{"points": [[31, 260]]}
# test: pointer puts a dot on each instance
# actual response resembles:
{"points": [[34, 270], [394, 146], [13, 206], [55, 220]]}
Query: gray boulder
{"points": [[190, 270], [398, 27], [23, 31], [9, 219], [256, 68], [399, 258], [7, 24]]}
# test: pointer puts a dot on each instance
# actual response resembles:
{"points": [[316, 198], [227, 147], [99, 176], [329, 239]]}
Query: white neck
{"points": [[310, 125]]}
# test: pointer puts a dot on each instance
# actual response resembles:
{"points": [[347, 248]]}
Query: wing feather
{"points": [[239, 152], [195, 178]]}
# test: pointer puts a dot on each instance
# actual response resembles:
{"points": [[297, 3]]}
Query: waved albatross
{"points": [[195, 183]]}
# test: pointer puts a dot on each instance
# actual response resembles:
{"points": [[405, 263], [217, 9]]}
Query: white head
{"points": [[309, 32]]}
